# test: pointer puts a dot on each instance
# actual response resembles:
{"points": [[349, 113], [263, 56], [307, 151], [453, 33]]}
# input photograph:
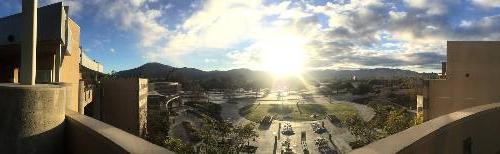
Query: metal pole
{"points": [[28, 44]]}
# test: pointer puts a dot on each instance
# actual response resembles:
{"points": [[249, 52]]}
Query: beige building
{"points": [[460, 109], [59, 56], [124, 104], [60, 60], [166, 88], [470, 78], [44, 78]]}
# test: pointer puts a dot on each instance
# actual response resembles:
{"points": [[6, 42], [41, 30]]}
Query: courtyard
{"points": [[300, 113], [296, 112]]}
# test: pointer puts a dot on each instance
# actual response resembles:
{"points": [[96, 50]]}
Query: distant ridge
{"points": [[161, 71]]}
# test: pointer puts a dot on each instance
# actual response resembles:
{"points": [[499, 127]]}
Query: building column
{"points": [[81, 97], [28, 42], [57, 65]]}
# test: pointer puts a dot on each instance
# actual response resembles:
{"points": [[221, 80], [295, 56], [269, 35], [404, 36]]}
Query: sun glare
{"points": [[284, 56]]}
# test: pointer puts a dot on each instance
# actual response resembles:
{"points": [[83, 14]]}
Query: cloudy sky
{"points": [[226, 34]]}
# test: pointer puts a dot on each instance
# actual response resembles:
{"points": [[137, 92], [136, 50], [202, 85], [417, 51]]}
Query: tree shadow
{"points": [[280, 109], [264, 126]]}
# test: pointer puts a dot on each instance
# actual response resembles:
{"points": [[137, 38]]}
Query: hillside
{"points": [[249, 78]]}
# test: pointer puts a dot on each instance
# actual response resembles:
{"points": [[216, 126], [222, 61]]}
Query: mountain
{"points": [[158, 70], [192, 78], [379, 73], [247, 78]]}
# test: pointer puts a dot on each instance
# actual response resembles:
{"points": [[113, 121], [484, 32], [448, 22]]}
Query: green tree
{"points": [[362, 89], [362, 130], [177, 146], [397, 120], [223, 137]]}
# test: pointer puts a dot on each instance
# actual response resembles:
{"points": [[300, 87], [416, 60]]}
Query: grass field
{"points": [[294, 112]]}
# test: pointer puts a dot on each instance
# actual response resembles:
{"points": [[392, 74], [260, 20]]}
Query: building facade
{"points": [[124, 104], [59, 58], [470, 78], [44, 80], [166, 88]]}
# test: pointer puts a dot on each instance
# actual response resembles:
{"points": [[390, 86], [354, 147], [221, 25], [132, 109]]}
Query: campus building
{"points": [[460, 109], [166, 88], [469, 78], [124, 104], [48, 86], [162, 97]]}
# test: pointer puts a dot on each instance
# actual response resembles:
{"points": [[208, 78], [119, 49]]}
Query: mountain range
{"points": [[158, 71]]}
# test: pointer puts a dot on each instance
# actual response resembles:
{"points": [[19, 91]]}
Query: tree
{"points": [[223, 137], [397, 120], [362, 89], [362, 130], [177, 146]]}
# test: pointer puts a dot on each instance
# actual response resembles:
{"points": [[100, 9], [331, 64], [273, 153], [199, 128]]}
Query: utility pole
{"points": [[28, 43]]}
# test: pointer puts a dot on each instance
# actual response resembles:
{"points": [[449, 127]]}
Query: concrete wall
{"points": [[31, 118], [89, 63], [48, 17], [166, 88], [471, 78], [85, 135], [123, 103], [51, 34], [472, 130], [70, 67], [143, 106]]}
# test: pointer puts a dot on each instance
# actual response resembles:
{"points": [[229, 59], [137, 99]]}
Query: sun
{"points": [[284, 56]]}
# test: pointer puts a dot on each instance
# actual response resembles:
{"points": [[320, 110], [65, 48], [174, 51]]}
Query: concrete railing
{"points": [[87, 135], [472, 130], [91, 64]]}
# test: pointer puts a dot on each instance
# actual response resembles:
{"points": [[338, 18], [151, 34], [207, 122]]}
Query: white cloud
{"points": [[129, 16], [432, 7], [75, 6], [112, 50], [487, 3], [210, 60], [465, 24], [357, 33], [219, 25]]}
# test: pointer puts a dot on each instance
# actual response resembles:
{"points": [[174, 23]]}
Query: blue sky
{"points": [[277, 34]]}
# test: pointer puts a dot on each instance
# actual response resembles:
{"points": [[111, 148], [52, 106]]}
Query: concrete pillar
{"points": [[57, 65], [97, 102], [32, 118], [71, 101], [15, 77], [81, 97], [28, 42]]}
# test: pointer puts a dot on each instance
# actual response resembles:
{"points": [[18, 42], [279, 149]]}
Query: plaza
{"points": [[300, 113]]}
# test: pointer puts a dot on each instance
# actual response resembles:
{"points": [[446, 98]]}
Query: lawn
{"points": [[294, 112]]}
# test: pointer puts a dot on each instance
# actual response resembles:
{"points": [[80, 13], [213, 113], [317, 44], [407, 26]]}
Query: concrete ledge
{"points": [[87, 135], [72, 95], [31, 118], [446, 134]]}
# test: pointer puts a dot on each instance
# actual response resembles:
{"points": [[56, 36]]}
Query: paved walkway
{"points": [[265, 143]]}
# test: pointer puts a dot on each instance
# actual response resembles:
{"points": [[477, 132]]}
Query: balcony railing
{"points": [[472, 130], [91, 64], [87, 135]]}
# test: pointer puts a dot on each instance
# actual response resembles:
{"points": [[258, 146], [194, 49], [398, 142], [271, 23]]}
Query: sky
{"points": [[278, 34]]}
